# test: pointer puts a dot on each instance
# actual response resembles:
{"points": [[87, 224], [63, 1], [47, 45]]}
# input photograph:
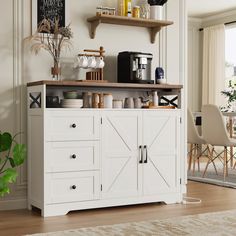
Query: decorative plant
{"points": [[52, 38], [12, 155]]}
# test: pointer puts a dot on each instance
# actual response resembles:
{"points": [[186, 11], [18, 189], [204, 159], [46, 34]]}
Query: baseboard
{"points": [[15, 204]]}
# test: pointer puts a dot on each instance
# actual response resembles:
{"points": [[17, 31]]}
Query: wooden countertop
{"points": [[75, 83]]}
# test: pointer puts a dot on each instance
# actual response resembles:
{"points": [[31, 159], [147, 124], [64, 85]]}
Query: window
{"points": [[230, 56]]}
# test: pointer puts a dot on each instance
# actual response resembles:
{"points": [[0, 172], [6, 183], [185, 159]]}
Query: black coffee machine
{"points": [[134, 67]]}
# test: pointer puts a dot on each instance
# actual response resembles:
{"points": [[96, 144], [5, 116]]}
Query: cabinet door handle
{"points": [[73, 126], [73, 187], [73, 156], [140, 154], [146, 154]]}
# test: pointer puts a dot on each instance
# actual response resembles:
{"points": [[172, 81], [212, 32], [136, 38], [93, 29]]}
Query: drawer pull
{"points": [[73, 156], [73, 126], [73, 187]]}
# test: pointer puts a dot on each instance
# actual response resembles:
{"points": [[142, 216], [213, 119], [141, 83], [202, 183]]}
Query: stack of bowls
{"points": [[71, 100]]}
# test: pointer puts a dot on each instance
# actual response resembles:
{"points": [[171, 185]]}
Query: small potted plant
{"points": [[12, 155], [156, 9], [52, 38]]}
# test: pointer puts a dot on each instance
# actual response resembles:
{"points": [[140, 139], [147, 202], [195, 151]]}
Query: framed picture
{"points": [[49, 9]]}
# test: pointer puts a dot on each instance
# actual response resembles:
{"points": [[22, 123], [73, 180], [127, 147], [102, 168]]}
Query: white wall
{"points": [[194, 64], [19, 66]]}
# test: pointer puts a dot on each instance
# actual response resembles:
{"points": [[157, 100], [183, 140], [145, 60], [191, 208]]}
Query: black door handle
{"points": [[73, 125], [140, 154], [146, 154]]}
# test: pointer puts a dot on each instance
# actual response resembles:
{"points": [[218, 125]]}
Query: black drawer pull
{"points": [[73, 156], [146, 154], [73, 125], [73, 186]]}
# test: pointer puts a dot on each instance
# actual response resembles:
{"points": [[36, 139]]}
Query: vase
{"points": [[56, 71]]}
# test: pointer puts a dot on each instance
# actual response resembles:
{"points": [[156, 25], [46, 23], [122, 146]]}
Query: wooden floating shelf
{"points": [[153, 25], [75, 83]]}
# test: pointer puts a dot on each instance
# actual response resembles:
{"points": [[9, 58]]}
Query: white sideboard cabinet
{"points": [[90, 158]]}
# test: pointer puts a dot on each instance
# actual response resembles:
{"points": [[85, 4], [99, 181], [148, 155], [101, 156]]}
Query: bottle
{"points": [[128, 8], [121, 7]]}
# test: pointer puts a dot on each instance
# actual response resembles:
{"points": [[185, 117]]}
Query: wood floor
{"points": [[213, 198]]}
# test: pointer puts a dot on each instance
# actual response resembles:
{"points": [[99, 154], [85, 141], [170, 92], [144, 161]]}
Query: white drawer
{"points": [[71, 156], [72, 125], [72, 187]]}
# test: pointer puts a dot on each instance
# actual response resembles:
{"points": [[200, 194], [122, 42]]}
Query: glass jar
{"points": [[136, 12], [98, 11], [145, 10]]}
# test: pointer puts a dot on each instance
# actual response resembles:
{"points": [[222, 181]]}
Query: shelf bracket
{"points": [[153, 32], [94, 25]]}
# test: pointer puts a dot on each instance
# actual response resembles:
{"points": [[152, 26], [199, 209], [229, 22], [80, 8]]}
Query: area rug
{"points": [[212, 178], [209, 224]]}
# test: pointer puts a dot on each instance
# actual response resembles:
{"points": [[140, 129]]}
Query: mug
{"points": [[129, 102], [83, 61], [99, 62], [91, 62], [137, 103]]}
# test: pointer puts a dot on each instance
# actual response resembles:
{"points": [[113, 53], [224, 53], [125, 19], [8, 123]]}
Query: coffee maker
{"points": [[134, 67]]}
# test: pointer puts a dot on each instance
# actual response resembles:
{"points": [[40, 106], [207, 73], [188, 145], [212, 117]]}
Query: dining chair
{"points": [[196, 141], [215, 133]]}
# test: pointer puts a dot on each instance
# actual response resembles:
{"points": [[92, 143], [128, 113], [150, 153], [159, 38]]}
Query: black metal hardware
{"points": [[73, 125], [73, 186], [73, 156], [140, 154], [35, 100], [146, 153]]}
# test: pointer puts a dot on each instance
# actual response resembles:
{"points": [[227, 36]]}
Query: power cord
{"points": [[191, 200]]}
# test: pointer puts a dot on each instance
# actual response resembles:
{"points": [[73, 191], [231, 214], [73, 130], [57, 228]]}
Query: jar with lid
{"points": [[136, 12], [108, 98], [99, 11]]}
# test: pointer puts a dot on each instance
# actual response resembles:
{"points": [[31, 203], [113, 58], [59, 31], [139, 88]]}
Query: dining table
{"points": [[230, 115]]}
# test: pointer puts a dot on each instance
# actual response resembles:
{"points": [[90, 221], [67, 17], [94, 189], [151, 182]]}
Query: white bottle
{"points": [[155, 98]]}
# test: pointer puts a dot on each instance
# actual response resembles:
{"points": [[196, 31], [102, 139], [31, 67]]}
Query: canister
{"points": [[108, 98], [117, 104], [95, 100]]}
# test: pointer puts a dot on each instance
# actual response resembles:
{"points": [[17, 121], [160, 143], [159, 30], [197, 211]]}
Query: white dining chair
{"points": [[196, 141], [215, 133]]}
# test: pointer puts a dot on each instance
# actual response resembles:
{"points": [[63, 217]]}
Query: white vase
{"points": [[156, 12]]}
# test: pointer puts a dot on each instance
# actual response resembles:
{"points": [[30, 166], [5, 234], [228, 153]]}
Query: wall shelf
{"points": [[153, 25]]}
